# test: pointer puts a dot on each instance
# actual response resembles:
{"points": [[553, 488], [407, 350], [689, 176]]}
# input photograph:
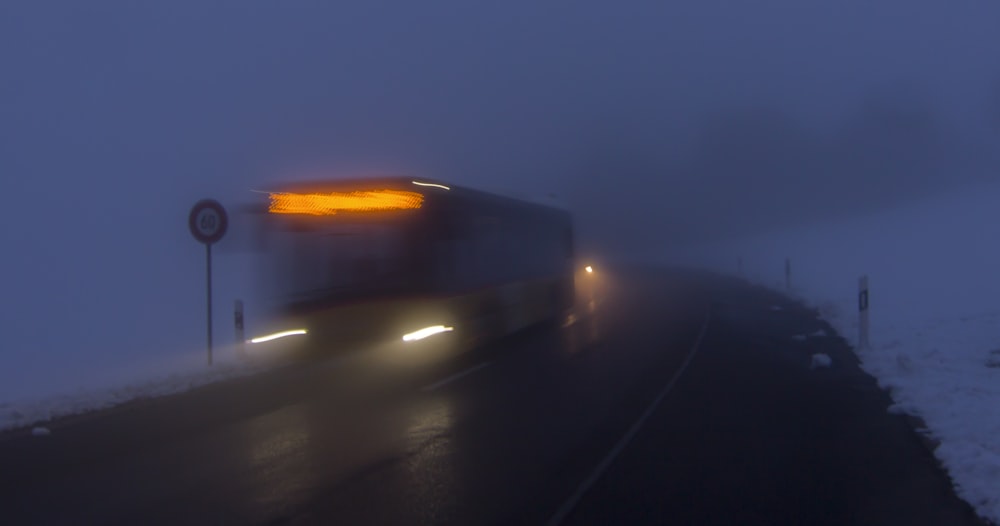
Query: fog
{"points": [[658, 123]]}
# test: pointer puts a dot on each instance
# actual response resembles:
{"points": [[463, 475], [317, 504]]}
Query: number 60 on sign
{"points": [[208, 221]]}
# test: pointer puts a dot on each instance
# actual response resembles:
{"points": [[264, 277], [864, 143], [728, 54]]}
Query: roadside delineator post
{"points": [[863, 322], [238, 323], [788, 274]]}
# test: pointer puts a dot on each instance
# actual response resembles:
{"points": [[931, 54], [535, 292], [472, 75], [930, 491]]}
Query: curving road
{"points": [[679, 398]]}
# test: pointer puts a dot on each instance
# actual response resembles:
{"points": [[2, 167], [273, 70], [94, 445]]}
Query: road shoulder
{"points": [[758, 431]]}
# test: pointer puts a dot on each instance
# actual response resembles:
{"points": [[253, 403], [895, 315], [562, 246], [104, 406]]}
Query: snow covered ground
{"points": [[177, 376], [934, 271], [93, 342]]}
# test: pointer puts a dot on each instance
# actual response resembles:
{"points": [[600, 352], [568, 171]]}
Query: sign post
{"points": [[208, 223], [863, 342]]}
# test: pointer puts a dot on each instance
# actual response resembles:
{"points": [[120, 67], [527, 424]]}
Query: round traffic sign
{"points": [[208, 221]]}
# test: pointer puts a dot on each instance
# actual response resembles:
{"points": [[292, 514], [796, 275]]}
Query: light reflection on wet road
{"points": [[501, 435], [366, 439]]}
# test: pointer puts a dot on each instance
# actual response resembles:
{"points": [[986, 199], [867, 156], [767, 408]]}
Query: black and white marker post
{"points": [[238, 324], [863, 342], [208, 223], [788, 275]]}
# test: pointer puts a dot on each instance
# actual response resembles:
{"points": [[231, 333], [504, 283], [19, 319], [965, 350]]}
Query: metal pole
{"points": [[208, 276]]}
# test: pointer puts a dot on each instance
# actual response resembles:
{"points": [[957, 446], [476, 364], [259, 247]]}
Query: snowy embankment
{"points": [[180, 376], [934, 271], [111, 343]]}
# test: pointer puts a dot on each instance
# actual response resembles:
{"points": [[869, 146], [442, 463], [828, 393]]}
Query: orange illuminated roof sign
{"points": [[332, 203]]}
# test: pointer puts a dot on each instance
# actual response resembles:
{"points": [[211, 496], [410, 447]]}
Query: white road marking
{"points": [[585, 486], [454, 377]]}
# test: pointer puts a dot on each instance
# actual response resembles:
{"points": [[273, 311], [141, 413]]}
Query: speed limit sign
{"points": [[208, 221]]}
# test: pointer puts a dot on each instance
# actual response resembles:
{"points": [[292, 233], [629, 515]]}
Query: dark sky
{"points": [[657, 121]]}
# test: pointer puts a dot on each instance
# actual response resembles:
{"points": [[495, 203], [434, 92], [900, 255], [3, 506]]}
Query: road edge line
{"points": [[570, 504]]}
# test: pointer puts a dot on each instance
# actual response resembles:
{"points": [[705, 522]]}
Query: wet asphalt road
{"points": [[676, 399]]}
